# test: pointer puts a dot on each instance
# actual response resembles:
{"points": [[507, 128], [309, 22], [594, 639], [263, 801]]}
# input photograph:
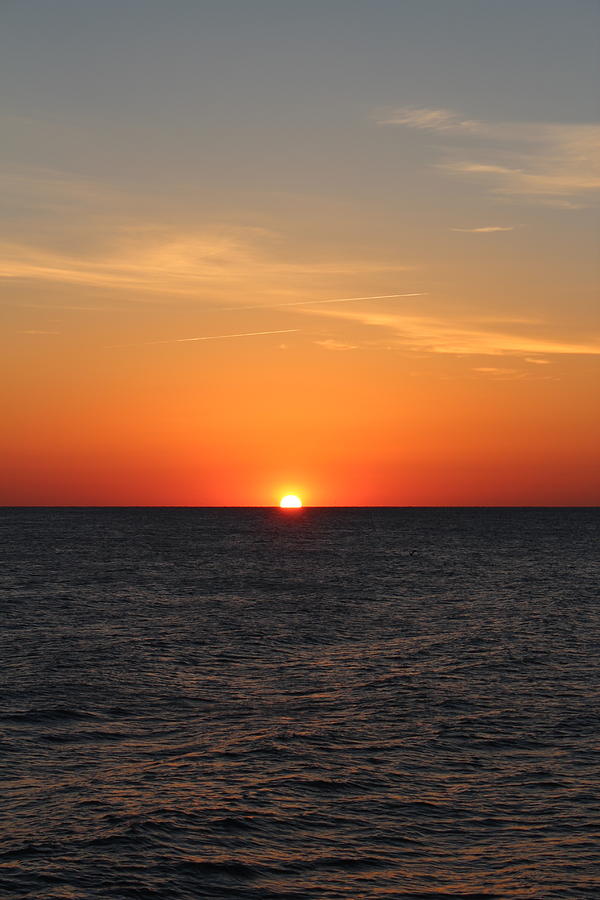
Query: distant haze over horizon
{"points": [[343, 250]]}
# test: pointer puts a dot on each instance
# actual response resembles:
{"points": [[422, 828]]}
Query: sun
{"points": [[290, 501]]}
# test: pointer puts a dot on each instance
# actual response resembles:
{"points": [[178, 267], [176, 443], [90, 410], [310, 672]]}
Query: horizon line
{"points": [[4, 506]]}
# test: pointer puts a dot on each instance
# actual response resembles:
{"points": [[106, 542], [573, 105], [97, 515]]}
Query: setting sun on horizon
{"points": [[290, 501]]}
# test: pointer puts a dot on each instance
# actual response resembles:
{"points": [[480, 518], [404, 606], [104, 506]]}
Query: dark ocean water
{"points": [[338, 703]]}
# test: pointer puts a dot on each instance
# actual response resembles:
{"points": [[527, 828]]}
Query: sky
{"points": [[341, 249]]}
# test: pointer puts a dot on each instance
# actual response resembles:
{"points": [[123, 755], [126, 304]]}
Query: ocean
{"points": [[331, 703]]}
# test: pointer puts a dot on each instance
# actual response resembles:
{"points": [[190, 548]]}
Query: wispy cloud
{"points": [[428, 119], [36, 331], [499, 370], [486, 229], [331, 344], [147, 261], [458, 336], [545, 160]]}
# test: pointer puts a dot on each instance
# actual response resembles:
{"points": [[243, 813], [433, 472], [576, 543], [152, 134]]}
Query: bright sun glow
{"points": [[290, 501]]}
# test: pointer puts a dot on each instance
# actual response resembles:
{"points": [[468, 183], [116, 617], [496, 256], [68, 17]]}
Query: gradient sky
{"points": [[193, 192]]}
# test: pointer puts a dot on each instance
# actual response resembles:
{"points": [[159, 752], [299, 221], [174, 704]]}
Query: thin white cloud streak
{"points": [[331, 344], [554, 160], [496, 370], [486, 229], [218, 337], [208, 337], [35, 331], [319, 302]]}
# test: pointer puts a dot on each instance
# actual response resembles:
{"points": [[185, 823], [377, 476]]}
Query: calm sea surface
{"points": [[344, 703]]}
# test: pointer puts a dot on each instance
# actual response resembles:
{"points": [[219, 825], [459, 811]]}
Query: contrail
{"points": [[208, 337], [218, 337], [314, 302]]}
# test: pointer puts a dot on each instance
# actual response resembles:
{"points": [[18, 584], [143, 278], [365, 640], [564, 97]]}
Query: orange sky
{"points": [[185, 235], [170, 425]]}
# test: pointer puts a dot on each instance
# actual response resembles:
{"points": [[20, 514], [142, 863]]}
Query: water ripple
{"points": [[347, 703]]}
